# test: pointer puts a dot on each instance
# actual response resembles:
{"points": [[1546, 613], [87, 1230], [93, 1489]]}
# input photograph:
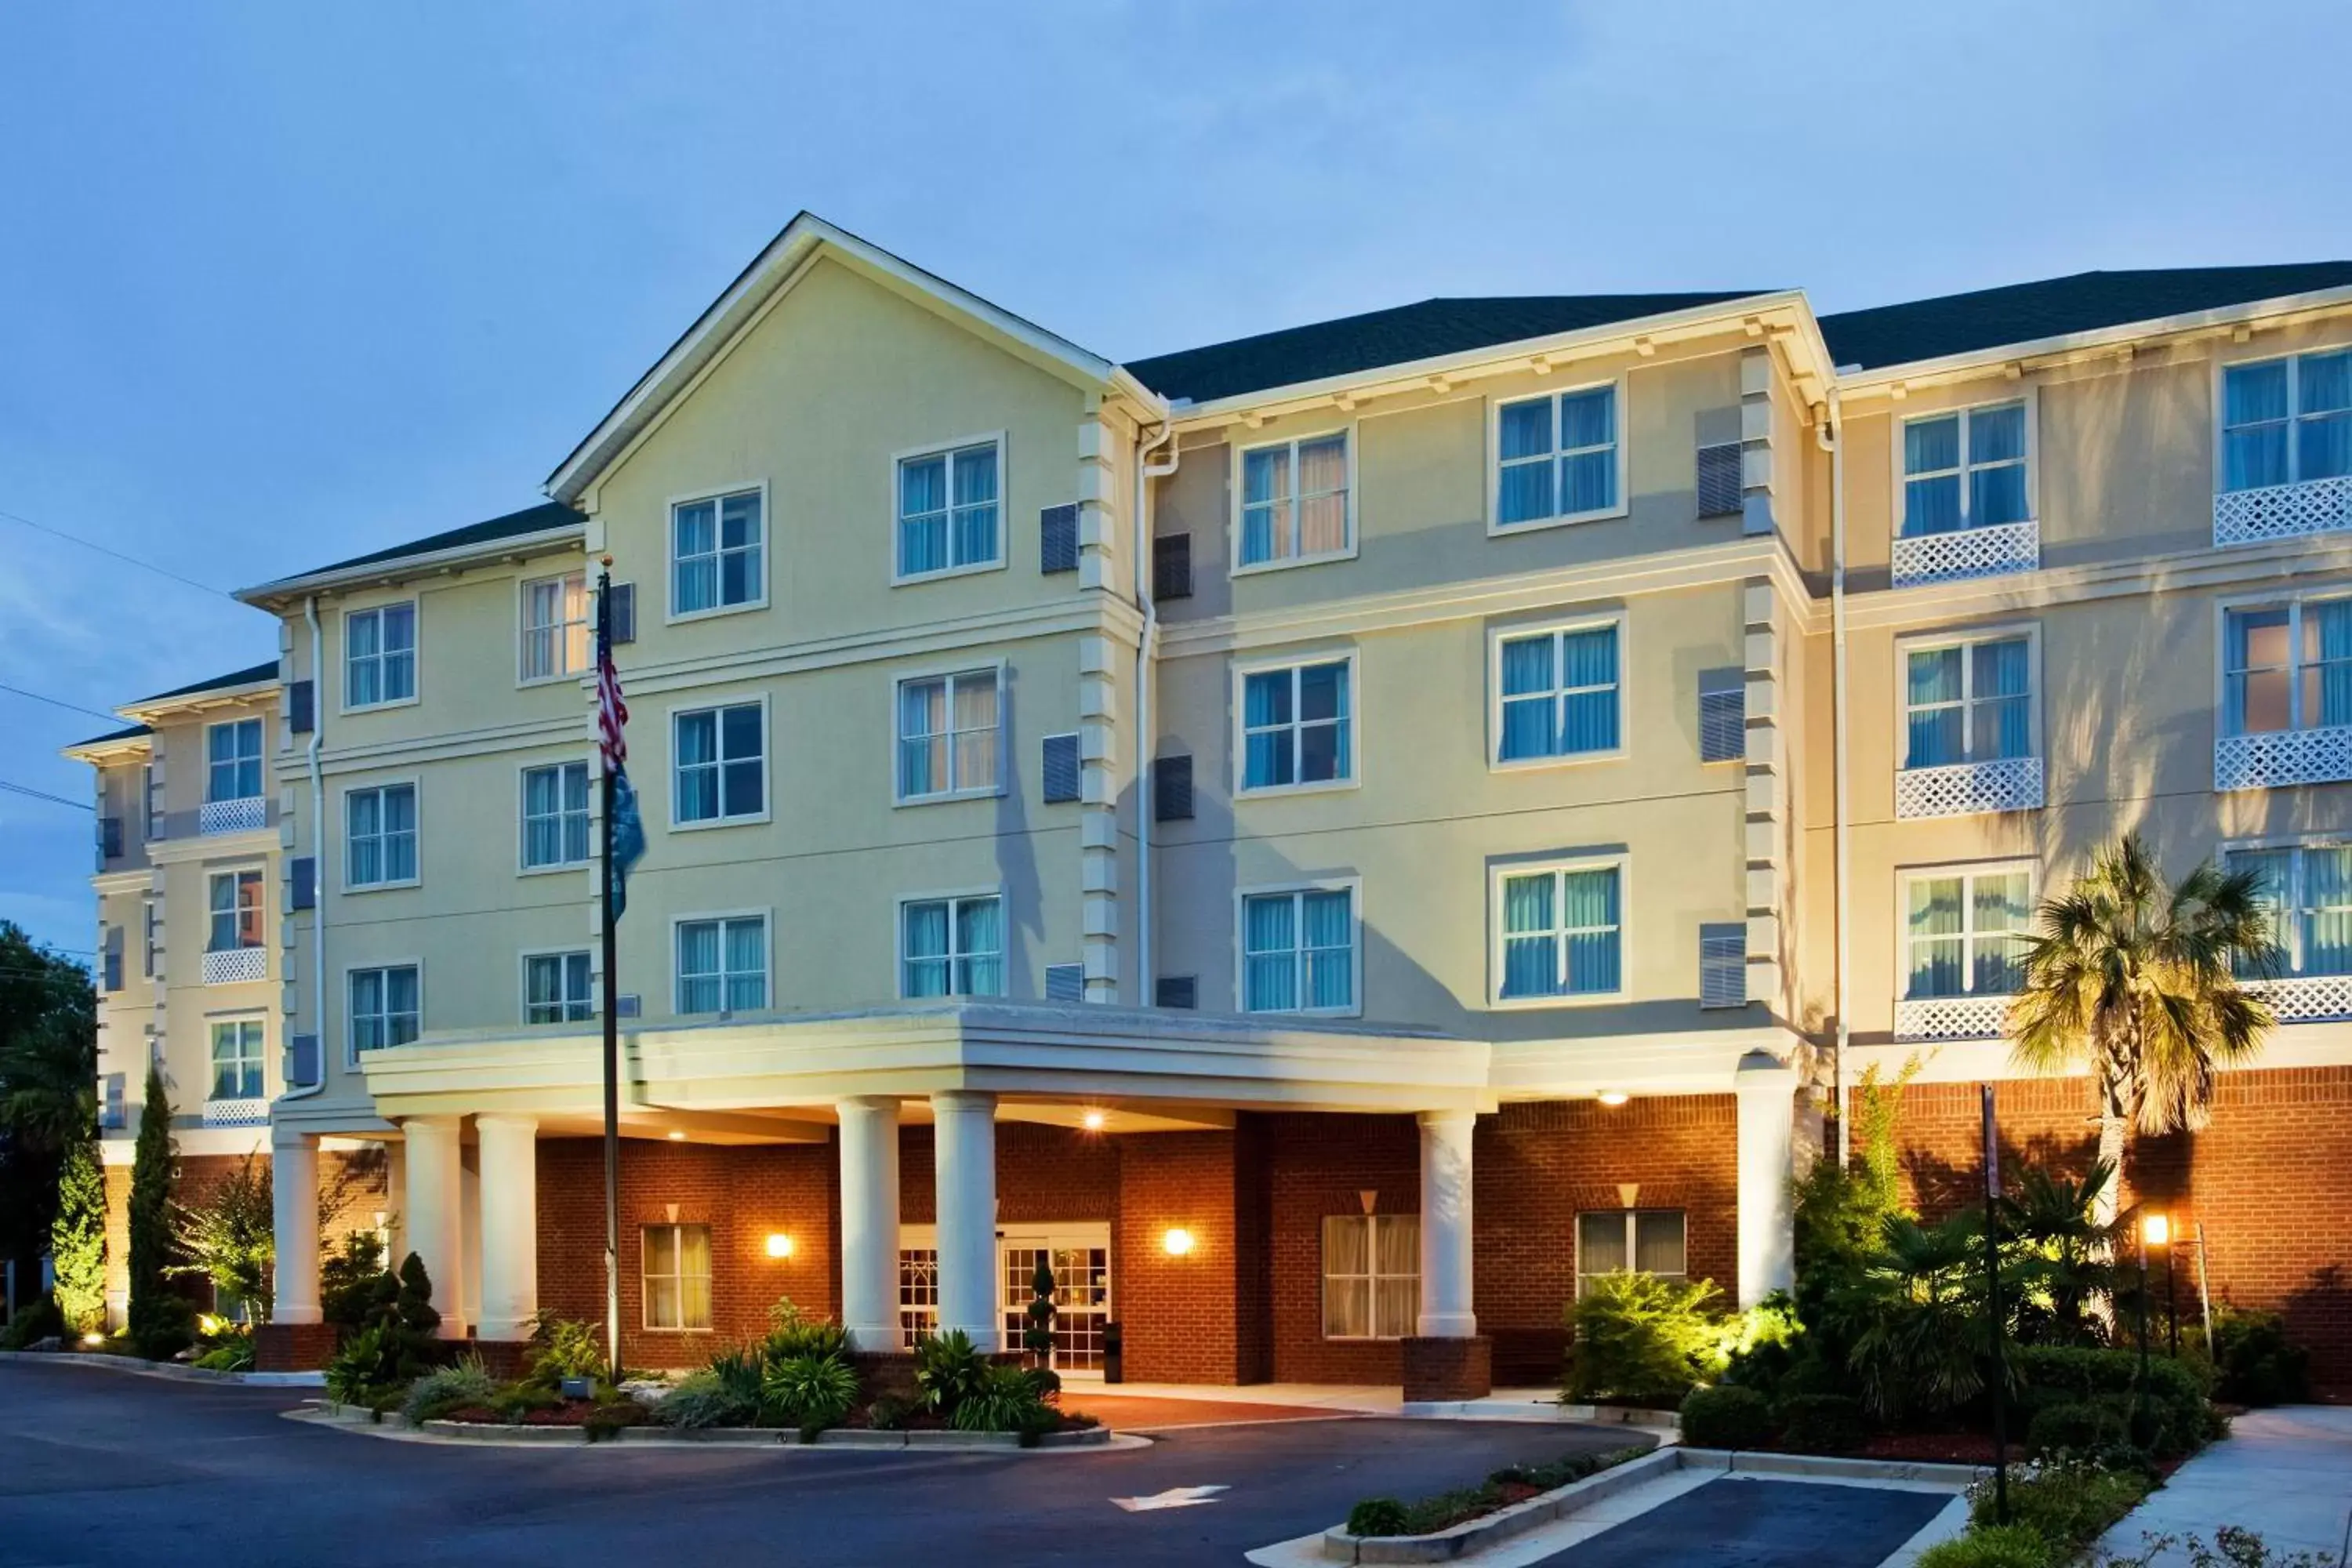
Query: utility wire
{"points": [[118, 555], [60, 702], [44, 794]]}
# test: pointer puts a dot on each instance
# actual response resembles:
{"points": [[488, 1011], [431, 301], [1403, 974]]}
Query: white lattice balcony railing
{"points": [[2276, 757], [2283, 511], [234, 965], [1970, 553], [1965, 789], [234, 815], [1950, 1017], [235, 1112], [2307, 998]]}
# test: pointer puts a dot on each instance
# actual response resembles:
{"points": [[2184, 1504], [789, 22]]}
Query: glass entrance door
{"points": [[1079, 1257]]}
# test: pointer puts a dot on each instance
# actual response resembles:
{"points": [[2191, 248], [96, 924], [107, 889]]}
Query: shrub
{"points": [[78, 1237], [888, 1413], [948, 1369], [564, 1347], [606, 1420], [810, 1391], [1822, 1424], [740, 1373], [703, 1399], [1725, 1418], [347, 1281], [351, 1373], [2179, 1415], [1387, 1516], [802, 1336], [1764, 1345], [1378, 1516], [2067, 1503], [1642, 1340], [2253, 1360], [1008, 1399], [159, 1329], [38, 1321], [229, 1238], [446, 1388], [232, 1355], [2072, 1426], [518, 1400], [1996, 1546]]}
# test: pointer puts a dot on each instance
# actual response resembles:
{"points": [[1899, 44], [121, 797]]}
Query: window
{"points": [[1557, 456], [1298, 951], [1564, 932], [380, 656], [1295, 503], [386, 1007], [947, 510], [1372, 1275], [951, 946], [2287, 666], [948, 735], [236, 1059], [555, 627], [1296, 728], [555, 989], [714, 553], [2307, 890], [720, 776], [380, 826], [676, 1272], [2284, 421], [1640, 1241], [1965, 932], [555, 815], [233, 759], [1964, 470], [919, 1294], [235, 911], [1558, 692], [1968, 702], [722, 964]]}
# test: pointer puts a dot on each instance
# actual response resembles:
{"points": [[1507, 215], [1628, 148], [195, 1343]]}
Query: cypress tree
{"points": [[157, 1316], [77, 1239]]}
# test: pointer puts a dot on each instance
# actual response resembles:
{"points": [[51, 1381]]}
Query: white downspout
{"points": [[318, 856], [1832, 436], [1147, 650]]}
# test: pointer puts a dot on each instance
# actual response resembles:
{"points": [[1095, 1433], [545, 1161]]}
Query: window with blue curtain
{"points": [[1971, 702], [1965, 933], [952, 947], [380, 656], [1299, 952], [1964, 470], [722, 964], [555, 815], [1296, 726], [1295, 500], [380, 836], [1555, 456], [714, 553], [237, 1060], [233, 759], [1562, 933], [386, 1007], [2286, 421], [718, 769], [1559, 693], [556, 988], [949, 511], [2307, 890], [2287, 666], [947, 728]]}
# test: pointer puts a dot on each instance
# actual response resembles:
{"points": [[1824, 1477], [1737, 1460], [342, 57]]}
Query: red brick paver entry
{"points": [[1142, 1413]]}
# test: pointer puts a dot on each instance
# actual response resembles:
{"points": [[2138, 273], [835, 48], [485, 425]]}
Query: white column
{"points": [[436, 1214], [870, 1221], [510, 1197], [1445, 1225], [294, 1220], [1767, 1091], [964, 1170]]}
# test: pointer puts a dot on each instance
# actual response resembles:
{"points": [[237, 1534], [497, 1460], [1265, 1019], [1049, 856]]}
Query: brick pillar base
{"points": [[1445, 1370], [503, 1358], [293, 1347]]}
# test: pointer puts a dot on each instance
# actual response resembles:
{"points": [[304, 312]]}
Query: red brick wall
{"points": [[1200, 1318], [1320, 1165], [1043, 1175]]}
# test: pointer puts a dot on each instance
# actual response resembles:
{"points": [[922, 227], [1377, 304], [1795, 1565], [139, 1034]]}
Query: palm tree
{"points": [[2138, 983]]}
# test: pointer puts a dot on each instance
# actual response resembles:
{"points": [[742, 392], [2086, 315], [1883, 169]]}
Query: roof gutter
{"points": [[1830, 433], [276, 596], [317, 860], [1147, 651]]}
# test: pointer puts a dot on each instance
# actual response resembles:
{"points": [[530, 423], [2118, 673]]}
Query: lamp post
{"points": [[2140, 1396], [2157, 1230]]}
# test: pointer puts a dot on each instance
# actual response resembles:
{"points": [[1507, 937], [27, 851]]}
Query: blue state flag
{"points": [[628, 839]]}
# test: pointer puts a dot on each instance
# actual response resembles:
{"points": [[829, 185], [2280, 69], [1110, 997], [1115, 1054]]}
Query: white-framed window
{"points": [[1638, 1241], [237, 1060], [1559, 457], [555, 627], [1560, 930], [555, 989], [2307, 890], [235, 910], [722, 964], [675, 1265], [380, 656], [949, 511], [387, 1006], [1299, 950], [232, 759], [554, 816], [1372, 1275], [950, 735], [380, 836], [1297, 725], [1968, 701], [716, 553], [1965, 931], [721, 770], [951, 946], [2286, 665], [1296, 502], [1970, 468], [1559, 692], [2287, 420]]}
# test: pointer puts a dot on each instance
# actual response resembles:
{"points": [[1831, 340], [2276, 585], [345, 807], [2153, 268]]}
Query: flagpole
{"points": [[611, 1012]]}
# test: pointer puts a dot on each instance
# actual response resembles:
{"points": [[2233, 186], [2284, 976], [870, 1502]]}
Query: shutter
{"points": [[1719, 486], [1057, 539], [1180, 991], [298, 707], [1722, 715], [110, 1116], [624, 613], [1172, 566], [1061, 769], [302, 872], [1066, 983], [114, 958], [1171, 789], [109, 837], [304, 1068], [1723, 965], [628, 1005]]}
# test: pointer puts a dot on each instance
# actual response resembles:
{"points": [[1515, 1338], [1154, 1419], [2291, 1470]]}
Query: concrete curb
{"points": [[736, 1436], [172, 1372]]}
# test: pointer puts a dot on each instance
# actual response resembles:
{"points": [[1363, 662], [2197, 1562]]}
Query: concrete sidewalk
{"points": [[2286, 1474]]}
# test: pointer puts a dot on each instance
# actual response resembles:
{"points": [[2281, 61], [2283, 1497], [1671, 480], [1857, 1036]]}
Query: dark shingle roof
{"points": [[244, 677], [2058, 307], [132, 733], [1397, 336], [513, 525]]}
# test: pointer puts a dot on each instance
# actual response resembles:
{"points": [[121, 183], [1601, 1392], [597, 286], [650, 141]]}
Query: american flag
{"points": [[612, 713]]}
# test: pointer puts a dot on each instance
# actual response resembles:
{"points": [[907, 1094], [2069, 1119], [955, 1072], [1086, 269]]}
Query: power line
{"points": [[60, 703], [44, 794], [118, 555]]}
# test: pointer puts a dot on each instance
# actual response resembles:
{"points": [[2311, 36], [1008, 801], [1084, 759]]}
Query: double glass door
{"points": [[1080, 1256]]}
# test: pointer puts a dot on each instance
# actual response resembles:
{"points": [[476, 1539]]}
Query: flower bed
{"points": [[1504, 1487]]}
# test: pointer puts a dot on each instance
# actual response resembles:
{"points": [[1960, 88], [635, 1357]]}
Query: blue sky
{"points": [[282, 283]]}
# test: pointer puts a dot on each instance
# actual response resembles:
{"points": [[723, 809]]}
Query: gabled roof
{"points": [[1400, 335], [111, 738], [548, 518], [2059, 307], [251, 675]]}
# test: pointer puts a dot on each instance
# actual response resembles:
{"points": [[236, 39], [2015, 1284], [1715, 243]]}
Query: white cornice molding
{"points": [[157, 710], [274, 596], [488, 741], [2289, 1047], [1645, 1065], [195, 846]]}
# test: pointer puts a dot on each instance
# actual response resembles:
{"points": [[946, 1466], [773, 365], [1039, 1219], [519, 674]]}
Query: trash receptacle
{"points": [[1114, 1353]]}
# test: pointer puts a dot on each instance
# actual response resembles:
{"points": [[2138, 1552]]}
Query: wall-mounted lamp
{"points": [[779, 1245], [1178, 1242], [1094, 1120], [1613, 1098], [677, 1134]]}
